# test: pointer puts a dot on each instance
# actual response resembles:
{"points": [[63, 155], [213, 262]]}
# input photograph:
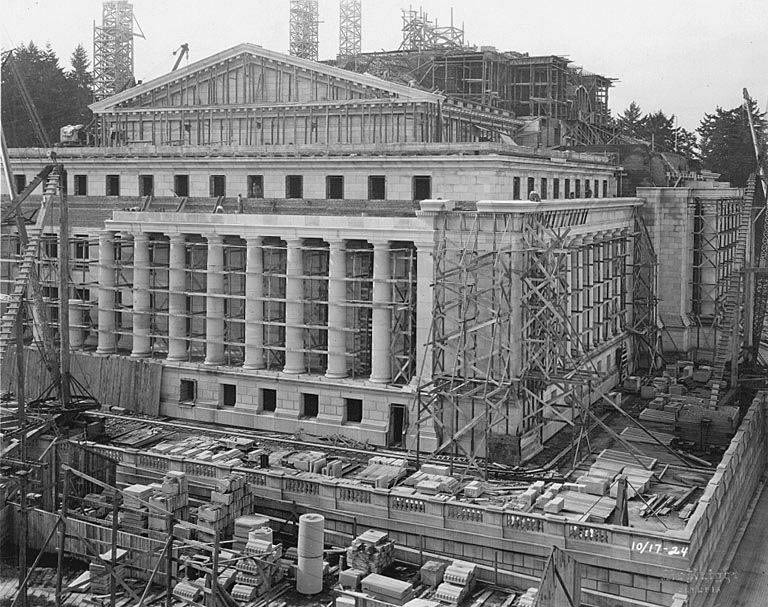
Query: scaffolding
{"points": [[304, 23], [471, 391], [350, 28], [113, 49], [420, 33]]}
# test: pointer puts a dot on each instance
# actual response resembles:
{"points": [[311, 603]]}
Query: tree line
{"points": [[722, 142]]}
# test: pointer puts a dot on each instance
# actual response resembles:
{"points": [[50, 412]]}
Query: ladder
{"points": [[29, 255], [729, 329]]}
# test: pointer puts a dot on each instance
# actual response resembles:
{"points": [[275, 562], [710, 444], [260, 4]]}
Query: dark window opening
{"points": [[555, 188], [515, 188], [113, 185], [397, 425], [81, 185], [309, 405], [597, 189], [294, 186], [578, 188], [422, 187], [218, 186], [21, 182], [82, 294], [146, 185], [228, 395], [544, 192], [187, 390], [181, 185], [268, 399], [377, 187], [605, 188], [334, 187], [531, 185], [82, 249], [51, 247], [255, 186], [567, 188], [353, 410]]}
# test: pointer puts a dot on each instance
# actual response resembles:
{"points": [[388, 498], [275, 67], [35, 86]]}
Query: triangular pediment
{"points": [[248, 74]]}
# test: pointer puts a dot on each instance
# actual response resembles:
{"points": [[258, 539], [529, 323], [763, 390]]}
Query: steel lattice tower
{"points": [[304, 22], [350, 30], [113, 49]]}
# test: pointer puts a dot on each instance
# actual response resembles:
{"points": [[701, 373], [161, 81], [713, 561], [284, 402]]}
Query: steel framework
{"points": [[113, 49], [419, 33], [350, 28], [304, 23]]}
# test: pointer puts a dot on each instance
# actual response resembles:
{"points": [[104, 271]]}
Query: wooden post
{"points": [[214, 570], [22, 476], [113, 552], [64, 383], [21, 409], [169, 565], [62, 536]]}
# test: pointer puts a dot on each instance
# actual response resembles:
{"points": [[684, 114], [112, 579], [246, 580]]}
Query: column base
{"points": [[141, 354], [380, 380], [170, 358], [331, 375], [213, 363], [253, 366], [294, 371], [105, 351]]}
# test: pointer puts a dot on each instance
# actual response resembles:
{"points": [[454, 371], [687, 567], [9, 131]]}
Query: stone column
{"points": [[141, 299], [254, 306], [425, 297], [177, 299], [381, 323], [76, 328], [107, 337], [294, 308], [337, 312], [214, 304]]}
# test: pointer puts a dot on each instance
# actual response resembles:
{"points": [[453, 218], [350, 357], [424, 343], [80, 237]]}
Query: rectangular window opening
{"points": [[146, 185], [268, 399], [515, 188], [377, 187], [544, 192], [334, 187], [567, 188], [218, 186], [578, 188], [181, 185], [422, 187], [531, 185], [255, 186], [555, 188], [309, 405], [294, 186], [353, 410], [21, 182], [605, 188], [187, 390], [228, 395], [81, 185], [113, 185]]}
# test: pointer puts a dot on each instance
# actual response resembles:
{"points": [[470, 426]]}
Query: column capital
{"points": [[106, 236], [380, 244], [254, 241], [293, 242], [177, 238], [214, 239], [140, 236], [335, 243]]}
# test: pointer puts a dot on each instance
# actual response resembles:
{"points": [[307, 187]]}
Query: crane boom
{"points": [[183, 50]]}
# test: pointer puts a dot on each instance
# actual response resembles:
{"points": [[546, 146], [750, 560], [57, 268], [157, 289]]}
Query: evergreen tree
{"points": [[58, 98], [630, 120], [82, 81], [726, 143], [658, 129]]}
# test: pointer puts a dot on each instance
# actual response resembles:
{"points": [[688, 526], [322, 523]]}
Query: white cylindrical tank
{"points": [[309, 575]]}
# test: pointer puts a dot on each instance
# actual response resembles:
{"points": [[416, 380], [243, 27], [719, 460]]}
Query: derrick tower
{"points": [[350, 28], [304, 22], [113, 49]]}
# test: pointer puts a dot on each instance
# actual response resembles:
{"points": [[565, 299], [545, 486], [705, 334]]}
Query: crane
{"points": [[182, 50]]}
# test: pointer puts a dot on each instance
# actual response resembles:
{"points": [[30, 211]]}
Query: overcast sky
{"points": [[683, 56]]}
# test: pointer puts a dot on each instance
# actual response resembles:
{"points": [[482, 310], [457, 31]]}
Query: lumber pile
{"points": [[592, 508], [387, 589], [528, 599], [99, 570], [432, 479], [133, 512], [383, 472], [636, 435], [371, 552]]}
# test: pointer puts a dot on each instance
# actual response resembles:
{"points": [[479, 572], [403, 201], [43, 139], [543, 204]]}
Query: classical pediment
{"points": [[250, 75]]}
